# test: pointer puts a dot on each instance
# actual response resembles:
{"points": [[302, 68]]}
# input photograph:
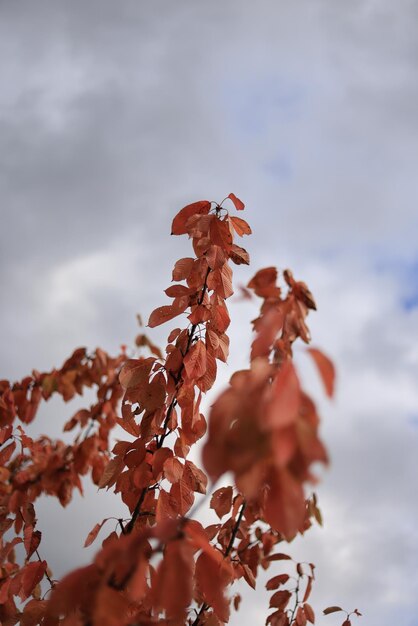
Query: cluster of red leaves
{"points": [[30, 467], [163, 566]]}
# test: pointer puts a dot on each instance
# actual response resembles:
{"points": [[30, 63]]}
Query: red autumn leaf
{"points": [[248, 575], [32, 574], [135, 372], [280, 599], [285, 398], [220, 234], [276, 581], [174, 580], [279, 557], [332, 609], [174, 291], [7, 452], [163, 314], [309, 612], [325, 368], [33, 612], [173, 470], [347, 622], [111, 473], [32, 539], [195, 360], [240, 226], [212, 577], [182, 268], [195, 478], [239, 256], [180, 221], [285, 504], [93, 533], [239, 205], [183, 495], [300, 617], [221, 501], [308, 589], [152, 395]]}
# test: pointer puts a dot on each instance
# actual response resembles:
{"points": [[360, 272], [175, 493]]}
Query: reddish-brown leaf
{"points": [[239, 205], [163, 314], [309, 612], [173, 583], [240, 256], [279, 557], [32, 574], [280, 599], [33, 612], [173, 470], [248, 575], [182, 268], [7, 452], [195, 360], [174, 291], [183, 495], [93, 533], [195, 478], [241, 226], [221, 501], [325, 368], [179, 225], [220, 234], [285, 400], [276, 581], [285, 504], [212, 576], [332, 609], [111, 472], [135, 372]]}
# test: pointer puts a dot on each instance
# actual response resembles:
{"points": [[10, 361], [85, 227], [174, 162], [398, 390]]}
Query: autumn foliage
{"points": [[162, 565]]}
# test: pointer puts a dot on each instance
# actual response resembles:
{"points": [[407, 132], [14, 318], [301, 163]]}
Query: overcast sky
{"points": [[113, 115]]}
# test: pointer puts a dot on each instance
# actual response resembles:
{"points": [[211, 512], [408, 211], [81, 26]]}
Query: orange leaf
{"points": [[285, 504], [212, 576], [163, 314], [179, 225], [239, 205], [183, 495], [182, 268], [32, 574], [173, 470], [239, 256], [195, 360], [93, 533], [325, 368], [135, 371], [221, 501], [284, 404], [248, 575], [241, 227], [195, 478], [174, 580], [220, 234]]}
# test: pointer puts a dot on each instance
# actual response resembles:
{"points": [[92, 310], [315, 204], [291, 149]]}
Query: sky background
{"points": [[114, 115]]}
